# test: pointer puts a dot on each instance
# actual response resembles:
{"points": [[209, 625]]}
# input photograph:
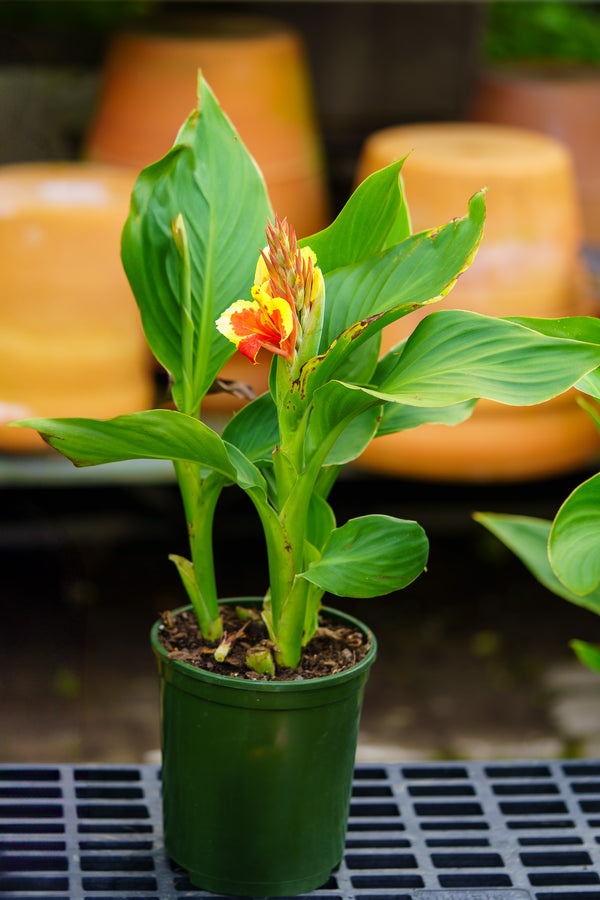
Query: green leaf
{"points": [[152, 434], [345, 414], [375, 217], [397, 417], [455, 355], [421, 269], [320, 522], [587, 654], [528, 539], [574, 546], [254, 429], [211, 181], [370, 556]]}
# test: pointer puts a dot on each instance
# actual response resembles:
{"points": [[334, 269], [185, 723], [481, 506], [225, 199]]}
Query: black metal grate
{"points": [[453, 831]]}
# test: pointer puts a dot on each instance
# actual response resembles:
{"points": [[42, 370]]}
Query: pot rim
{"points": [[244, 684]]}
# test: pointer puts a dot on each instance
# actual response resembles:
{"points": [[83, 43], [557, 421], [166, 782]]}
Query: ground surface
{"points": [[473, 658]]}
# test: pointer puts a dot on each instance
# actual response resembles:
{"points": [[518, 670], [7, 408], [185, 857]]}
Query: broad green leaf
{"points": [[590, 384], [419, 270], [152, 434], [254, 429], [370, 556], [587, 654], [456, 355], [574, 546], [211, 181], [375, 217], [320, 522], [355, 437], [528, 539], [339, 406], [397, 417]]}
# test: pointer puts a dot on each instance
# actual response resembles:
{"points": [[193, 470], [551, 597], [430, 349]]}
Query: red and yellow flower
{"points": [[287, 286]]}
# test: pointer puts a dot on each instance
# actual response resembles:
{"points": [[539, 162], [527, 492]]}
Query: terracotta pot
{"points": [[528, 264], [561, 100], [70, 336], [258, 71]]}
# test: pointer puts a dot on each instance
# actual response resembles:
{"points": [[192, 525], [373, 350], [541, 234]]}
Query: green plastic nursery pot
{"points": [[257, 775]]}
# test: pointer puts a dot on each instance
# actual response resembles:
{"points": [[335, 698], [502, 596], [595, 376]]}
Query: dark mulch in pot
{"points": [[334, 648]]}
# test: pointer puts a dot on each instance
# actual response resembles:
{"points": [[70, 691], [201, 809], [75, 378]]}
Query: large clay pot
{"points": [[71, 340], [559, 99], [528, 265], [258, 71]]}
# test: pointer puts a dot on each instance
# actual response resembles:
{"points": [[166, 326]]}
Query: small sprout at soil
{"points": [[260, 659], [167, 620], [247, 612], [224, 648]]}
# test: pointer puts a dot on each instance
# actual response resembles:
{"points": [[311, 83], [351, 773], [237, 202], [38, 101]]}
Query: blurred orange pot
{"points": [[71, 341], [527, 265]]}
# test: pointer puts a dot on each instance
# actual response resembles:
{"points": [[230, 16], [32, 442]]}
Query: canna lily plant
{"points": [[192, 252]]}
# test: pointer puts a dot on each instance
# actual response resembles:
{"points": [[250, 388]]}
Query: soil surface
{"points": [[334, 648]]}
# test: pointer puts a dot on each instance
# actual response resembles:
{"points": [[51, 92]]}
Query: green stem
{"points": [[199, 501]]}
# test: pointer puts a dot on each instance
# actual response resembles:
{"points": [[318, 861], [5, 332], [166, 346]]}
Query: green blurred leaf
{"points": [[209, 179], [587, 654], [254, 429], [528, 539], [370, 556], [574, 546]]}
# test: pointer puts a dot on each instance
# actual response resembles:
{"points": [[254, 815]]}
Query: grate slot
{"points": [[365, 773], [441, 790], [518, 771], [387, 881], [107, 774], [439, 773], [119, 883], [109, 793], [36, 883], [115, 845], [373, 809], [381, 861], [533, 807], [543, 841], [538, 824], [111, 863], [388, 843], [569, 895], [526, 788], [32, 846], [586, 787], [448, 809], [29, 774], [33, 862], [557, 858], [114, 828], [361, 790], [450, 825], [111, 811], [457, 842], [492, 880], [467, 860], [31, 811], [558, 879], [576, 770], [27, 792]]}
